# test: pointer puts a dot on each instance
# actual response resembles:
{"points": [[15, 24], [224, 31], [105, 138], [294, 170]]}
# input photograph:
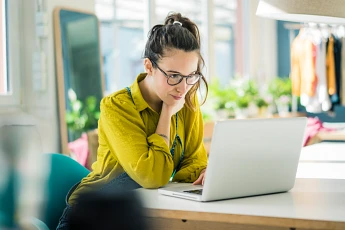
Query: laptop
{"points": [[248, 157]]}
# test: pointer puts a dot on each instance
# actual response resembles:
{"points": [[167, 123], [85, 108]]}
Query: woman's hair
{"points": [[163, 38]]}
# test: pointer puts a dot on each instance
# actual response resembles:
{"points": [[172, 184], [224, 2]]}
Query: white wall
{"points": [[262, 45], [39, 107], [255, 44]]}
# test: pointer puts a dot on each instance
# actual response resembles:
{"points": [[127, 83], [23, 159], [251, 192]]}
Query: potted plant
{"points": [[81, 116], [246, 91], [262, 105], [283, 105], [242, 104], [260, 102], [279, 86], [280, 89], [221, 98]]}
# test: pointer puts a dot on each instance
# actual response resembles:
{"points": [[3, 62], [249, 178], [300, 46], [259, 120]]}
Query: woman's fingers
{"points": [[199, 180]]}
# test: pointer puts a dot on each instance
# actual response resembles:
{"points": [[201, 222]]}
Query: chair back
{"points": [[64, 173]]}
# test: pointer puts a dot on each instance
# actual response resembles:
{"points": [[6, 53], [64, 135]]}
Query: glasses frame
{"points": [[182, 76]]}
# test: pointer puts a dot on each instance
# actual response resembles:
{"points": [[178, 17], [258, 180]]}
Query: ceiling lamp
{"points": [[318, 11]]}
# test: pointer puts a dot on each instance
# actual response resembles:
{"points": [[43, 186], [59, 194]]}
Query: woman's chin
{"points": [[171, 102]]}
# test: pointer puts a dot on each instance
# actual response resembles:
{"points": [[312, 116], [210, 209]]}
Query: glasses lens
{"points": [[174, 79], [192, 79]]}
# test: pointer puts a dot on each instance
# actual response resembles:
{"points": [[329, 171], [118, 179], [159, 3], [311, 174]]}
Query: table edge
{"points": [[243, 219]]}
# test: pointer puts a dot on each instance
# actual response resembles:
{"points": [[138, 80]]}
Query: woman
{"points": [[152, 132]]}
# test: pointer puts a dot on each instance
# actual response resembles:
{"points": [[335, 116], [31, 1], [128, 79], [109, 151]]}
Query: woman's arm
{"points": [[163, 127], [195, 159], [146, 159]]}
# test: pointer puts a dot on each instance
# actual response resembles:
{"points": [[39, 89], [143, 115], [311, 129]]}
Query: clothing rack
{"points": [[292, 27]]}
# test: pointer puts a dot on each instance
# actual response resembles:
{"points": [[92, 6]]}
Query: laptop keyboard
{"points": [[196, 191]]}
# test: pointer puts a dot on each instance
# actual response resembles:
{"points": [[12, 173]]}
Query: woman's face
{"points": [[174, 62]]}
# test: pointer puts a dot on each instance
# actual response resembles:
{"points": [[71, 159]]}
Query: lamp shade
{"points": [[318, 11]]}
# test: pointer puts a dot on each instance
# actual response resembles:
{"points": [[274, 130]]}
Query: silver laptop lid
{"points": [[253, 157]]}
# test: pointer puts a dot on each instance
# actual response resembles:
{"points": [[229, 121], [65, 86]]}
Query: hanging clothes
{"points": [[342, 81], [321, 100], [303, 77], [337, 62], [318, 68], [330, 65]]}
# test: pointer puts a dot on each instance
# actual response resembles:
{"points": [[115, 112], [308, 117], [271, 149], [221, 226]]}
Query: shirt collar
{"points": [[138, 99]]}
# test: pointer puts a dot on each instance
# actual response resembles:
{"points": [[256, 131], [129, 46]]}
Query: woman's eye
{"points": [[174, 76]]}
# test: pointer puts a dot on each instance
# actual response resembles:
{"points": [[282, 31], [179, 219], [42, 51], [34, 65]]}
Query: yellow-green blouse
{"points": [[128, 142]]}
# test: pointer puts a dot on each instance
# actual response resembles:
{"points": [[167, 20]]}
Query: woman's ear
{"points": [[148, 66]]}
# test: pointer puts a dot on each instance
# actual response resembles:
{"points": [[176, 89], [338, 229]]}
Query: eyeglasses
{"points": [[175, 79]]}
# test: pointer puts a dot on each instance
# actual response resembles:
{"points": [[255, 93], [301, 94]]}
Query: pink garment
{"points": [[314, 126], [80, 148]]}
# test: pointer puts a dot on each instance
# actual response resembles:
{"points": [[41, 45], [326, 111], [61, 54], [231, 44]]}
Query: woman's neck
{"points": [[149, 95]]}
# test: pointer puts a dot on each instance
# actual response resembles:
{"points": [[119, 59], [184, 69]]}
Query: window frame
{"points": [[12, 12]]}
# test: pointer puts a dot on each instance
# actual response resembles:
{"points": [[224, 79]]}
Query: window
{"points": [[4, 79], [9, 53], [224, 50], [224, 19], [122, 41], [123, 35]]}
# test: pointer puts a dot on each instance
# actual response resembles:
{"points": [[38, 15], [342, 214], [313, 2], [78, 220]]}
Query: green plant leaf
{"points": [[91, 103], [280, 86]]}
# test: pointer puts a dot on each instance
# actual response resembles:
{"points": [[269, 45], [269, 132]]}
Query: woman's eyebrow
{"points": [[174, 71]]}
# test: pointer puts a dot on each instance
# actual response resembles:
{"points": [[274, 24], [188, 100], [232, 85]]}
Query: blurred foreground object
{"points": [[23, 173], [108, 210]]}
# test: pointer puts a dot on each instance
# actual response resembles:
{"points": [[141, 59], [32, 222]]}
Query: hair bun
{"points": [[172, 18], [177, 23]]}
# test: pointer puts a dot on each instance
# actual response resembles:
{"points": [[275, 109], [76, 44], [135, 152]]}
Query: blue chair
{"points": [[65, 172], [7, 200]]}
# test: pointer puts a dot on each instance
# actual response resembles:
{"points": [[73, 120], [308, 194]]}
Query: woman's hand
{"points": [[201, 178], [172, 109]]}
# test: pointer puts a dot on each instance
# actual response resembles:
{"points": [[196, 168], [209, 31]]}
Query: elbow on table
{"points": [[154, 181]]}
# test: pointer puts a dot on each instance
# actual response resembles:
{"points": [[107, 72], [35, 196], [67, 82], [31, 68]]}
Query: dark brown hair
{"points": [[161, 38]]}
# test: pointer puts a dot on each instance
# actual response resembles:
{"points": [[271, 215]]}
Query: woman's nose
{"points": [[182, 87]]}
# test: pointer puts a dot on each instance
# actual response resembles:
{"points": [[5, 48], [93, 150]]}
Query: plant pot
{"points": [[263, 111], [222, 114], [252, 110], [283, 110], [242, 113]]}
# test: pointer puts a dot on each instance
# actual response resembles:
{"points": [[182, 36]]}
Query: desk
{"points": [[313, 203], [323, 160], [291, 114]]}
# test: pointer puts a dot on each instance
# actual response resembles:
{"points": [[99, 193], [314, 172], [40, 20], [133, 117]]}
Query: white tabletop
{"points": [[318, 194], [311, 199], [324, 160], [324, 152]]}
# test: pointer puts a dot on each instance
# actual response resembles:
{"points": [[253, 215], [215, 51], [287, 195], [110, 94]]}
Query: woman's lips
{"points": [[176, 97]]}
